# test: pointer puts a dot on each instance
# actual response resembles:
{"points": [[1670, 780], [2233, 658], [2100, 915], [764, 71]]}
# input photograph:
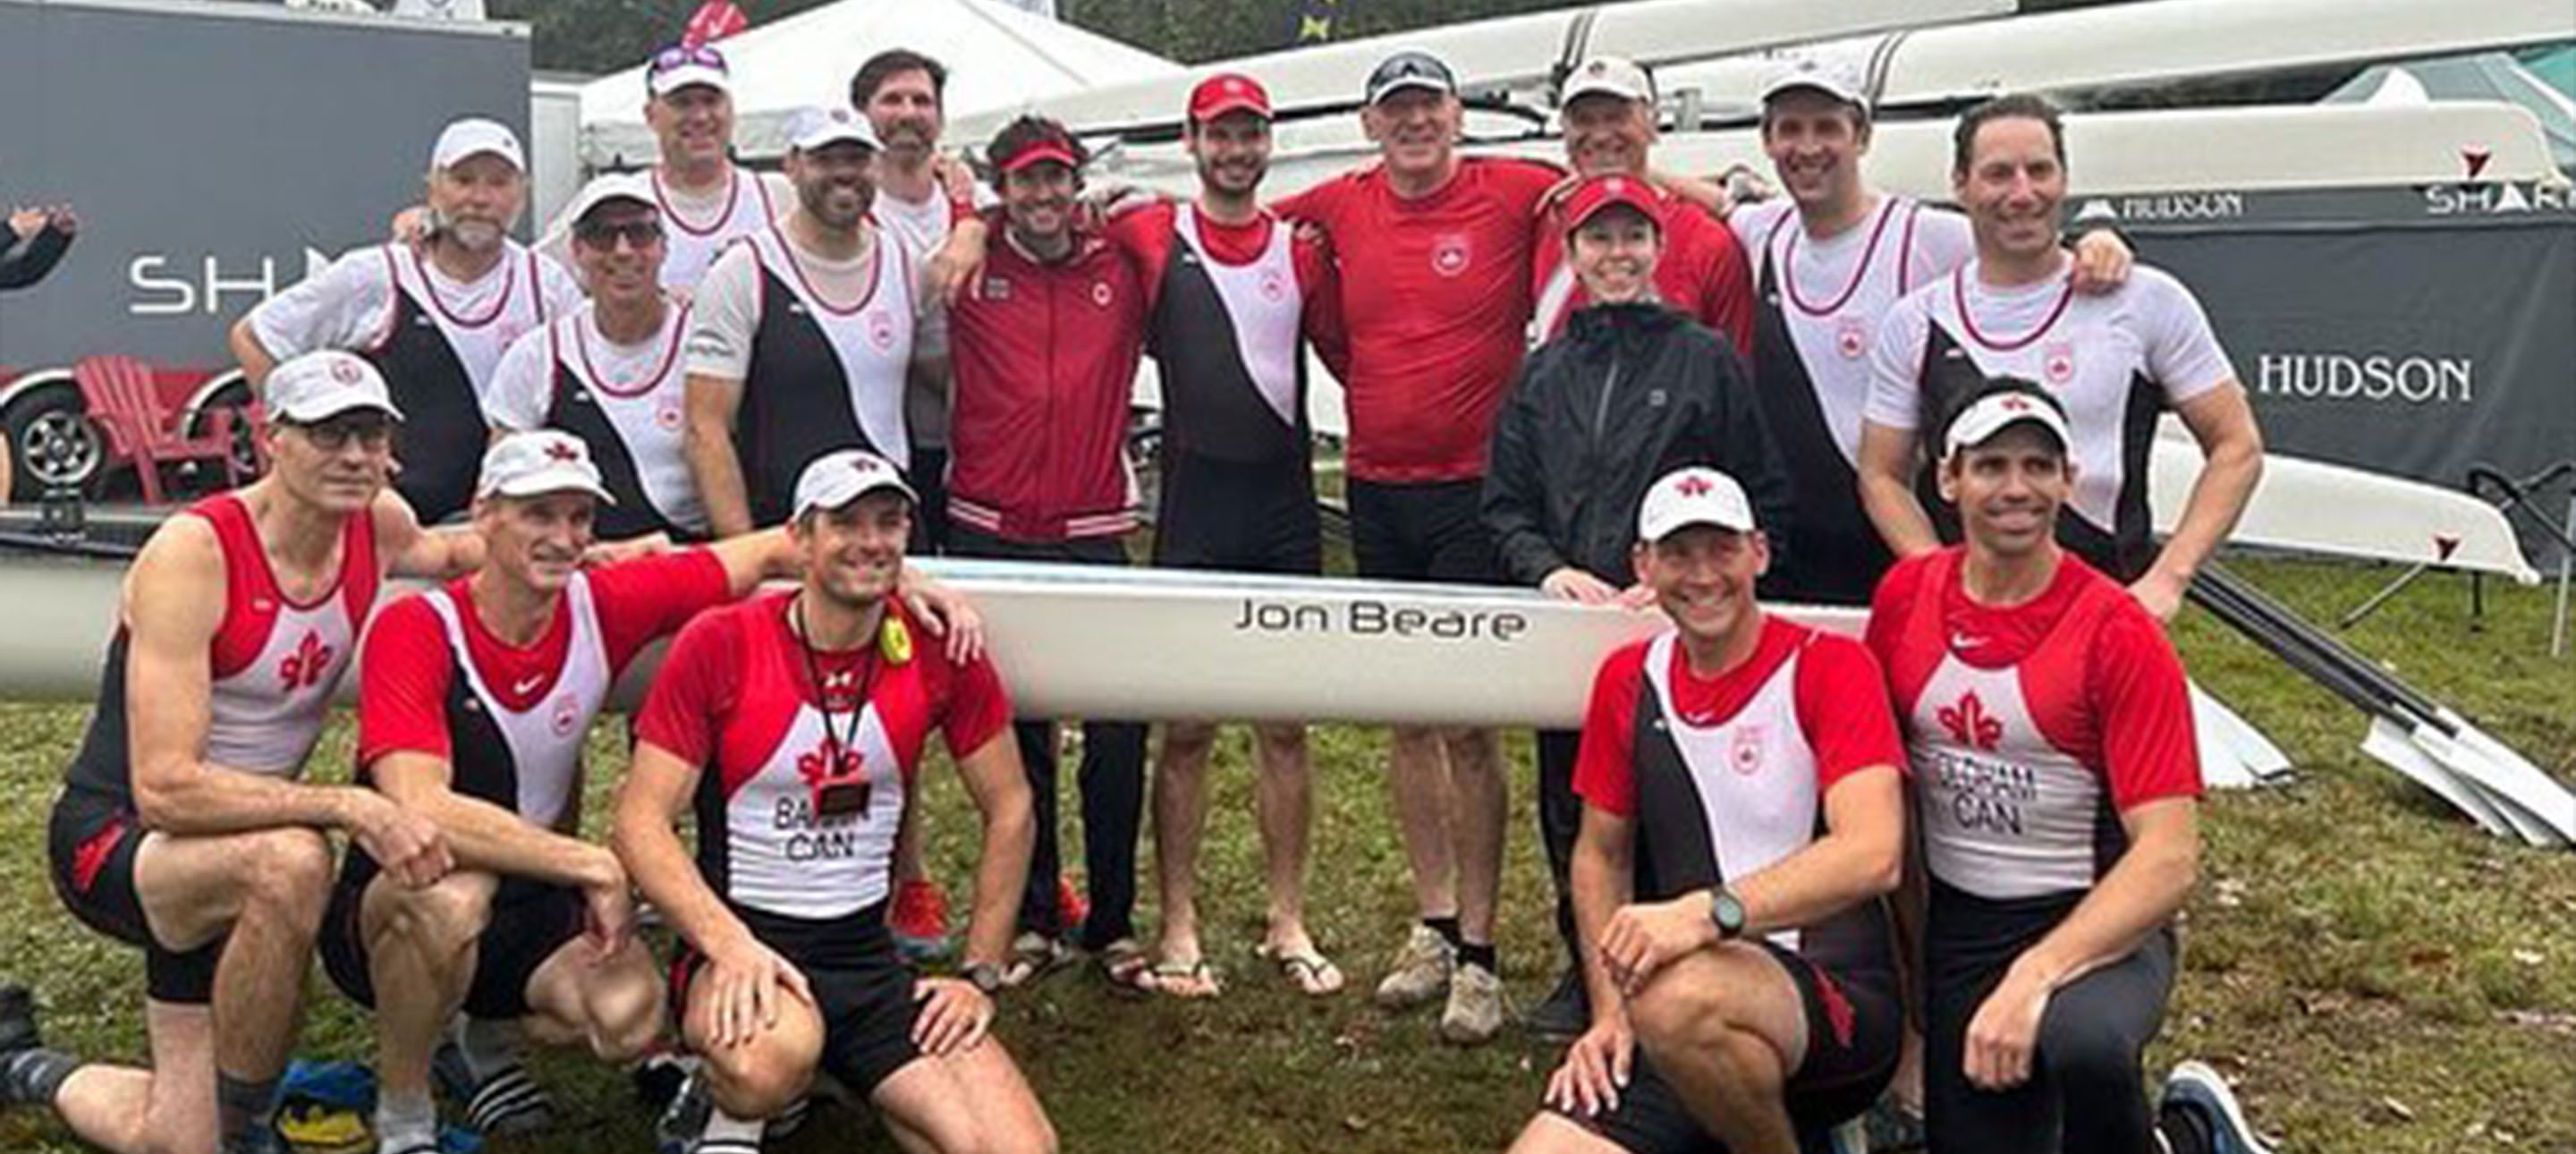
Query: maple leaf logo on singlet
{"points": [[1746, 752], [829, 760], [303, 668], [2057, 363], [1969, 725]]}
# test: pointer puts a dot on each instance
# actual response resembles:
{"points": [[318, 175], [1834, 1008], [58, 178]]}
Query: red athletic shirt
{"points": [[2115, 701], [408, 668], [1044, 357], [1703, 271], [700, 709], [1146, 235], [1436, 295], [1841, 699]]}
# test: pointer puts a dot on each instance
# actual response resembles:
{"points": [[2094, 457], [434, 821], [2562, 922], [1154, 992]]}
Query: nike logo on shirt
{"points": [[1965, 641], [526, 685]]}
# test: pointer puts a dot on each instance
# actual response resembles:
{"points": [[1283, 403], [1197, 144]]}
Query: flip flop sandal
{"points": [[1033, 956], [1185, 981], [1310, 972]]}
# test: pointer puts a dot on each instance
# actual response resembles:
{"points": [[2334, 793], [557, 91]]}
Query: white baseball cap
{"points": [[1994, 413], [474, 136], [1697, 495], [816, 128], [614, 186], [1608, 76], [538, 462], [1817, 74], [682, 65], [836, 479], [318, 386]]}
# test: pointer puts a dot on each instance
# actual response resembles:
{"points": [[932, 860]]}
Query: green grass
{"points": [[2380, 975]]}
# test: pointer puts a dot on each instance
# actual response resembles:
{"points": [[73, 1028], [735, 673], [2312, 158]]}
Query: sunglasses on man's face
{"points": [[372, 430], [604, 234]]}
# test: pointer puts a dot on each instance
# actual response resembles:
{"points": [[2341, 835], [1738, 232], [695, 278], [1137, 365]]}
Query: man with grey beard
{"points": [[818, 299], [433, 313]]}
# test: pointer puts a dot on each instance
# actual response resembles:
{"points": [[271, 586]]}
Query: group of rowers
{"points": [[1794, 872]]}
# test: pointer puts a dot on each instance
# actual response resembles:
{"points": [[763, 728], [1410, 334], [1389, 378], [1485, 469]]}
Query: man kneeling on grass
{"points": [[2048, 928], [1743, 817], [474, 704], [791, 725]]}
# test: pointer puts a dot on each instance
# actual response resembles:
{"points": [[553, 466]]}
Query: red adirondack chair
{"points": [[122, 399]]}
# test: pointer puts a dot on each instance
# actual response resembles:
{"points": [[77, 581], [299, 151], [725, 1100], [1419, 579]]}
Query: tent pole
{"points": [[2566, 570]]}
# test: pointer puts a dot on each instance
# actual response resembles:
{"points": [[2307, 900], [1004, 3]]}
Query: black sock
{"points": [[245, 1115], [1448, 930], [2186, 1130], [1479, 954], [34, 1077]]}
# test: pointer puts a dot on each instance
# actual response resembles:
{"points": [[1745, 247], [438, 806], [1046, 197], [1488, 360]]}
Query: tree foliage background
{"points": [[607, 35]]}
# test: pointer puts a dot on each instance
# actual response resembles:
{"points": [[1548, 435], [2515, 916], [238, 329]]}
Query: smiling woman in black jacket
{"points": [[1630, 391]]}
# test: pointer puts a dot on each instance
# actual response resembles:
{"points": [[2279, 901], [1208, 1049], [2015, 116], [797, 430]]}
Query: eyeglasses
{"points": [[604, 234], [332, 434], [684, 55]]}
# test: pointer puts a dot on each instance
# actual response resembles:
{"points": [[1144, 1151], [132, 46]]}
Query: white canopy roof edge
{"points": [[998, 57]]}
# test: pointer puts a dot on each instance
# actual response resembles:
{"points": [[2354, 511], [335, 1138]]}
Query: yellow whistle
{"points": [[895, 641]]}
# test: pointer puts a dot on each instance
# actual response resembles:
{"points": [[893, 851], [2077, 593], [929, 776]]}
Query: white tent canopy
{"points": [[998, 57]]}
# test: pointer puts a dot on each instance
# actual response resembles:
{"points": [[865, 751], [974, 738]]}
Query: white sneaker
{"points": [[1420, 971], [1475, 1012], [2195, 1086]]}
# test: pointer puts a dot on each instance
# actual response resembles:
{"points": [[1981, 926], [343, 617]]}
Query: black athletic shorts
{"points": [[92, 840], [862, 988], [1257, 517], [1854, 1022], [1428, 532], [530, 921]]}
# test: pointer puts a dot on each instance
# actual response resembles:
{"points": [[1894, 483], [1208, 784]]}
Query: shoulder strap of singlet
{"points": [[555, 357], [359, 572], [1773, 236], [536, 286], [1905, 248], [230, 519], [902, 271], [1930, 593], [2099, 598], [393, 298]]}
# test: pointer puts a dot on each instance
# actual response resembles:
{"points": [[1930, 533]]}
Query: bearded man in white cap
{"points": [[434, 314], [793, 725], [801, 337]]}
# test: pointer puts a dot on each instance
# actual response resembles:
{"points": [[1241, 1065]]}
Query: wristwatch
{"points": [[985, 976], [1727, 911]]}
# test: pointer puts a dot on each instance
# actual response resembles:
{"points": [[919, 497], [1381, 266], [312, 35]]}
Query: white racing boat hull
{"points": [[2142, 47], [2315, 507], [1120, 643], [1092, 642]]}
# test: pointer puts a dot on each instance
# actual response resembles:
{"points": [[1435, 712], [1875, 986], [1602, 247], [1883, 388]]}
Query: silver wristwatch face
{"points": [[1728, 913]]}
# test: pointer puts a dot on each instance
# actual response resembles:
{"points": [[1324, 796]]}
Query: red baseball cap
{"points": [[1227, 92], [1040, 153], [1598, 193]]}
